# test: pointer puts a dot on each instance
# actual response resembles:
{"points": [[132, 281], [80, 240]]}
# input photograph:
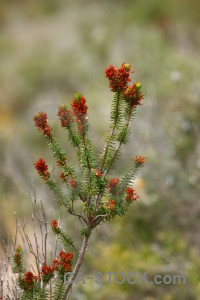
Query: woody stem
{"points": [[77, 266]]}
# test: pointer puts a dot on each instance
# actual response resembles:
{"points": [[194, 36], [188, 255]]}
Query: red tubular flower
{"points": [[54, 224], [98, 173], [63, 261], [63, 176], [29, 280], [40, 119], [42, 168], [111, 204], [55, 264], [72, 182], [47, 270], [17, 259], [41, 123], [140, 159], [65, 115], [123, 76], [131, 195], [66, 261], [47, 273], [79, 106], [80, 111], [111, 73], [133, 95], [118, 78], [113, 186]]}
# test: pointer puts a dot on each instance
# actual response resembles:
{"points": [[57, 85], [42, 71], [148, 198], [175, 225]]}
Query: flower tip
{"points": [[139, 159], [63, 106], [138, 85], [36, 116], [19, 248], [54, 224], [127, 67], [77, 97]]}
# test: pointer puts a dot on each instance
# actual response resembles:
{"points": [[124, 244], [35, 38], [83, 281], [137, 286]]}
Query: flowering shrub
{"points": [[90, 187]]}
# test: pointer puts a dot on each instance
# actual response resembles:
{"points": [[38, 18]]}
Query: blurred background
{"points": [[49, 50]]}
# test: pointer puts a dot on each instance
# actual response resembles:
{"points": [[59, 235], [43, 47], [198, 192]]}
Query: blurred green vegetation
{"points": [[51, 49]]}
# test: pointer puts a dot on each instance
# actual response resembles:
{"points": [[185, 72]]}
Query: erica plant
{"points": [[89, 187]]}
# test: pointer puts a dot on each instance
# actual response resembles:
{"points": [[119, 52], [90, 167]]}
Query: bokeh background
{"points": [[50, 49]]}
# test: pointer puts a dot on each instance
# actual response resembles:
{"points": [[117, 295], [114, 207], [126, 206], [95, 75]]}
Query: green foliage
{"points": [[108, 150], [73, 137], [62, 199], [117, 111], [121, 115], [85, 232], [65, 239], [32, 290], [59, 289], [124, 135], [129, 176], [59, 153]]}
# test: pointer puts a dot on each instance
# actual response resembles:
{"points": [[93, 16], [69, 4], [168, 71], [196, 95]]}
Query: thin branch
{"points": [[89, 167], [46, 233]]}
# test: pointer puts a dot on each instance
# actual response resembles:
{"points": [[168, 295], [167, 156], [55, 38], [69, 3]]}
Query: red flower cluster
{"points": [[131, 195], [63, 176], [65, 115], [17, 258], [54, 224], [42, 168], [111, 204], [47, 270], [72, 182], [41, 122], [118, 78], [47, 273], [140, 159], [17, 255], [133, 95], [80, 111], [29, 280], [78, 105], [63, 261], [113, 187], [98, 173]]}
